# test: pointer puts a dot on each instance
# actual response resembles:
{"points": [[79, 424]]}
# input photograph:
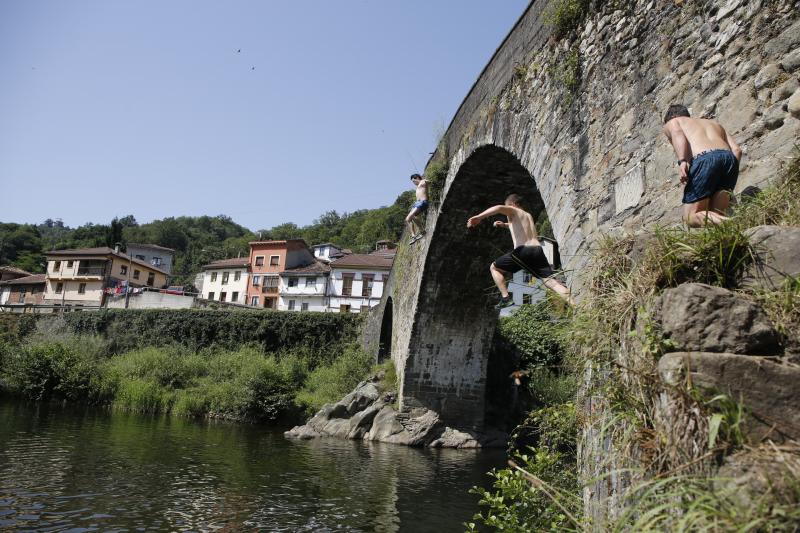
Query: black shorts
{"points": [[531, 258]]}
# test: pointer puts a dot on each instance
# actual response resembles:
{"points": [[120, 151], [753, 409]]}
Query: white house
{"points": [[226, 280], [304, 288], [526, 289], [328, 252], [158, 256], [357, 280]]}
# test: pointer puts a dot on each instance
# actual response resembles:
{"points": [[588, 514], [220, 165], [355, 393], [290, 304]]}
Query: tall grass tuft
{"points": [[327, 384]]}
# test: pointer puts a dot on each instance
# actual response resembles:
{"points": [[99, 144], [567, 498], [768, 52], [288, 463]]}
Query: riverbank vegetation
{"points": [[253, 366], [666, 468]]}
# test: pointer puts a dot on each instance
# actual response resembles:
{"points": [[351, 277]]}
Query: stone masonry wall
{"points": [[583, 119]]}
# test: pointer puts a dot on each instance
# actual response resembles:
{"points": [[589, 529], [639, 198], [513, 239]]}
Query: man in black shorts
{"points": [[527, 253]]}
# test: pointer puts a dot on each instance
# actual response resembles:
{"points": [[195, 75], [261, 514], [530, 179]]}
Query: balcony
{"points": [[269, 289], [93, 271]]}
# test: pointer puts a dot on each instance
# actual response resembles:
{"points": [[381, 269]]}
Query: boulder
{"points": [[385, 425], [778, 251], [361, 422], [302, 432], [699, 317], [754, 476], [768, 387], [358, 400], [793, 105]]}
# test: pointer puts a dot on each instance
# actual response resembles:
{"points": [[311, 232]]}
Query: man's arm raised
{"points": [[494, 210]]}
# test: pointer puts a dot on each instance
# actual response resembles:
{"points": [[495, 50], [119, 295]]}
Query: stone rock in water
{"points": [[778, 249], [699, 317], [768, 387]]}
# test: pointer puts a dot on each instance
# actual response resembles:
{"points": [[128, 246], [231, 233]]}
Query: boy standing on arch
{"points": [[527, 253], [708, 162], [419, 207]]}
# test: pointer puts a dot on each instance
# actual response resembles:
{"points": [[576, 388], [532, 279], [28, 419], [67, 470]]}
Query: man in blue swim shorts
{"points": [[708, 163], [419, 207]]}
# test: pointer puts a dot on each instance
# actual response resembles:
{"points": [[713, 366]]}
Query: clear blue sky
{"points": [[112, 107]]}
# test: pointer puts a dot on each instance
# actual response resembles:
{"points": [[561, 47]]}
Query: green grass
{"points": [[329, 383]]}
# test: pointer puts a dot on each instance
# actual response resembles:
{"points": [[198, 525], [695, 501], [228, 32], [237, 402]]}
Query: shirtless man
{"points": [[419, 207], [708, 161], [527, 254]]}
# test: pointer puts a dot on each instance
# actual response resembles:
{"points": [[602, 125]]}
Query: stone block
{"points": [[766, 76], [750, 477], [791, 61], [699, 317], [793, 105], [788, 39], [768, 387], [778, 256], [629, 189]]}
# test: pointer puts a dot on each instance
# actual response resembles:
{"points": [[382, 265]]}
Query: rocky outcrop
{"points": [[778, 256], [365, 414], [699, 317], [767, 386], [750, 476]]}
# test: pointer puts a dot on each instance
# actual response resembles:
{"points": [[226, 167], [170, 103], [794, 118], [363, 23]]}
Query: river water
{"points": [[83, 469]]}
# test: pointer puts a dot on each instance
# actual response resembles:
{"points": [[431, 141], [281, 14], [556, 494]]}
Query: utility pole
{"points": [[128, 282]]}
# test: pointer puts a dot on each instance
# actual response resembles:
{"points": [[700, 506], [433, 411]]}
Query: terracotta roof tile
{"points": [[153, 246], [228, 263], [317, 267], [365, 260], [34, 279], [14, 270]]}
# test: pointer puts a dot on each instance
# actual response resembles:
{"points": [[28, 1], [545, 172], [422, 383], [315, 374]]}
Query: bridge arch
{"points": [[445, 364]]}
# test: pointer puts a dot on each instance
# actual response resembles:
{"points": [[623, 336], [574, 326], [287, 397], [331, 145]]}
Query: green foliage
{"points": [[534, 335], [21, 246], [542, 493], [329, 383], [565, 16], [779, 204], [436, 172], [550, 388], [196, 329], [388, 381]]}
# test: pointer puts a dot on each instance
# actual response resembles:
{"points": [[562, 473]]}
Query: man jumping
{"points": [[708, 161], [419, 207], [527, 253]]}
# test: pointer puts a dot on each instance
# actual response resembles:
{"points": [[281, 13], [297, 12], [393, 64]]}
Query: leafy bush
{"points": [[564, 16], [534, 335], [541, 492], [327, 384]]}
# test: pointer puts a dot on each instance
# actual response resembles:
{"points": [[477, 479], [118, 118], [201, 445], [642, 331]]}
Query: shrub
{"points": [[327, 384], [533, 334], [564, 16]]}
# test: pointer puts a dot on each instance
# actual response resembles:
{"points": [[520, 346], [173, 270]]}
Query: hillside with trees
{"points": [[199, 240]]}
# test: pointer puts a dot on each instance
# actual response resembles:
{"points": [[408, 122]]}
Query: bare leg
{"points": [[720, 201], [559, 288], [411, 221], [499, 278], [698, 214]]}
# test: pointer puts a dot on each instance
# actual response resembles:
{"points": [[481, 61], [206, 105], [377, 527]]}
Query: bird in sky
{"points": [[252, 68], [239, 50]]}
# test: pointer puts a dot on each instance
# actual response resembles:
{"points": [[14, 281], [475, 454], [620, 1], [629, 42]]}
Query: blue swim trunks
{"points": [[422, 205], [709, 172]]}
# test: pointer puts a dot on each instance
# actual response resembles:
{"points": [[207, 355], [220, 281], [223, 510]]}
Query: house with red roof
{"points": [[357, 280], [226, 280]]}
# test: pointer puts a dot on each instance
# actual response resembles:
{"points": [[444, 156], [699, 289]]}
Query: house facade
{"points": [[267, 260], [19, 294], [157, 256], [304, 288], [327, 252], [83, 277], [357, 281], [226, 280]]}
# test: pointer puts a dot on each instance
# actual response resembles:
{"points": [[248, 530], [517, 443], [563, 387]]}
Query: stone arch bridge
{"points": [[574, 126]]}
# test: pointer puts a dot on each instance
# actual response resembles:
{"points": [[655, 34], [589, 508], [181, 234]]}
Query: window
{"points": [[56, 266], [304, 306], [256, 280], [210, 296], [82, 288], [526, 277], [69, 264], [237, 275], [225, 277], [223, 296], [344, 308], [235, 297], [151, 278], [123, 270], [347, 284], [254, 301], [365, 309], [274, 260], [293, 282], [22, 292], [136, 274], [366, 285], [291, 305], [270, 284], [155, 261], [259, 260], [59, 287], [311, 282], [527, 299], [213, 277], [140, 257]]}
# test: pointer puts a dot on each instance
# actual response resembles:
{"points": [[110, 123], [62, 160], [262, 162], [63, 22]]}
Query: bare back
{"points": [[523, 228], [703, 134]]}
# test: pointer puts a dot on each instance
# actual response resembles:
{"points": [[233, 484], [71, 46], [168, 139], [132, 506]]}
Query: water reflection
{"points": [[66, 468]]}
